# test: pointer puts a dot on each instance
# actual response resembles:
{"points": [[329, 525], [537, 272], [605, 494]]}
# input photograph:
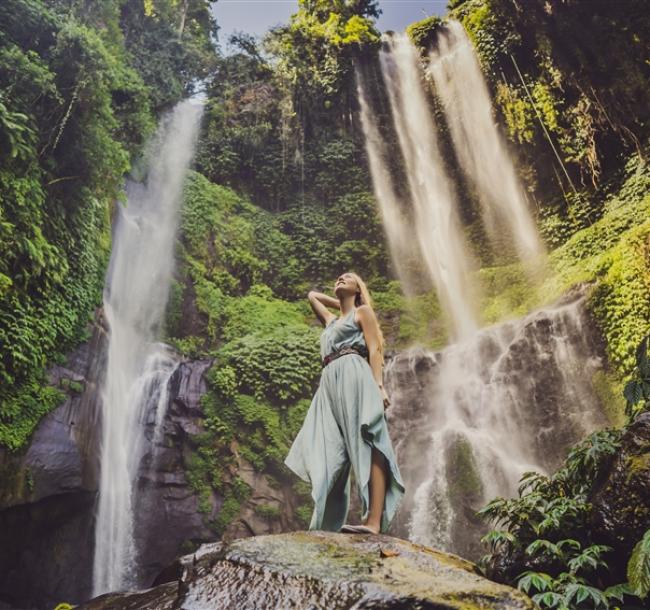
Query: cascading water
{"points": [[138, 368], [470, 420], [480, 148], [400, 241], [437, 227]]}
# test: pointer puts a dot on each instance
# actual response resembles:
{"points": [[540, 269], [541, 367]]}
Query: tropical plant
{"points": [[638, 568], [637, 390]]}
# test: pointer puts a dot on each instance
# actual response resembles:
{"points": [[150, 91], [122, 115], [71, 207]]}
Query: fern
{"points": [[638, 568]]}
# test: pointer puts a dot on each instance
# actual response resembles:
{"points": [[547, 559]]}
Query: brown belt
{"points": [[362, 351]]}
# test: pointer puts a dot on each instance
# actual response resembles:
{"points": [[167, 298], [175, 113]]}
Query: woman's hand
{"points": [[319, 303], [384, 395]]}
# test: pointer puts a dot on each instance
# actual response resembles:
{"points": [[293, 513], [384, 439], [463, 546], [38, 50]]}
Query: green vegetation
{"points": [[74, 109], [545, 537], [637, 390], [423, 33], [612, 252], [281, 203], [638, 568], [550, 74]]}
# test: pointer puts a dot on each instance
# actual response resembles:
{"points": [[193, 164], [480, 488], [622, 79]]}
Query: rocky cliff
{"points": [[49, 490], [467, 421]]}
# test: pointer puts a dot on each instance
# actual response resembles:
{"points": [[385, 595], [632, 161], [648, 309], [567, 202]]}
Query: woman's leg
{"points": [[377, 488]]}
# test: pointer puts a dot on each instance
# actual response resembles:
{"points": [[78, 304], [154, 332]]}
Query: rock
{"points": [[162, 483], [525, 384], [319, 570], [48, 491], [621, 498], [47, 502]]}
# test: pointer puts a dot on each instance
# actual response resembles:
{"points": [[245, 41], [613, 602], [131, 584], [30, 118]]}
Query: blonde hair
{"points": [[364, 298]]}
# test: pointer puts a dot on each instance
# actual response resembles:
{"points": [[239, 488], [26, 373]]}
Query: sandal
{"points": [[357, 529]]}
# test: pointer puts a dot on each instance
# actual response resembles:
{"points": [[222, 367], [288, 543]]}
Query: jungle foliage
{"points": [[544, 541], [75, 107], [281, 203]]}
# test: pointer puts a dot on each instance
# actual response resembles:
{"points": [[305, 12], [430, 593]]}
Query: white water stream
{"points": [[479, 414], [469, 420], [138, 368], [398, 233], [481, 150], [437, 227]]}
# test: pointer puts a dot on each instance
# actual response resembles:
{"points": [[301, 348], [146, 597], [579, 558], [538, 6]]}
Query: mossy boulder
{"points": [[621, 500], [319, 570]]}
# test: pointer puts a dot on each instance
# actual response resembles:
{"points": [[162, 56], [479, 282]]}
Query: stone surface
{"points": [[47, 499], [319, 570], [532, 375], [48, 491], [167, 519], [621, 498]]}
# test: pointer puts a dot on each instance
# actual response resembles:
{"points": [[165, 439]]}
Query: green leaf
{"points": [[633, 392], [549, 599], [638, 567], [534, 580], [545, 547]]}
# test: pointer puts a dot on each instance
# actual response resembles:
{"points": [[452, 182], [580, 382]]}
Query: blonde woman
{"points": [[345, 425]]}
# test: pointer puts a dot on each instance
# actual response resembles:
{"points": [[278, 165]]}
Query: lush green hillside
{"points": [[76, 105]]}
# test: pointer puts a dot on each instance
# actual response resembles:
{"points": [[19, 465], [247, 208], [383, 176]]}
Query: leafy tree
{"points": [[73, 112]]}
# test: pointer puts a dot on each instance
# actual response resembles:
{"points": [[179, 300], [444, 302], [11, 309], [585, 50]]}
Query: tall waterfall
{"points": [[398, 234], [437, 226], [468, 421], [481, 151], [138, 368]]}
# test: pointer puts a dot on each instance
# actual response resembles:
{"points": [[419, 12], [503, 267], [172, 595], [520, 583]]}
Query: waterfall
{"points": [[437, 226], [480, 148], [470, 420], [395, 226], [138, 368]]}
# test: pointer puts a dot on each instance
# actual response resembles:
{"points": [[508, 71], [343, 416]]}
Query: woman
{"points": [[345, 425]]}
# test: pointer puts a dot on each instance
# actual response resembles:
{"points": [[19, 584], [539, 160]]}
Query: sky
{"points": [[257, 16]]}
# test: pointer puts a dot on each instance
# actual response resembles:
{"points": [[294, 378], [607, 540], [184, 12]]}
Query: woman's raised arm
{"points": [[319, 303]]}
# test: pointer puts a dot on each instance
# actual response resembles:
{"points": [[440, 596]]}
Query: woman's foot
{"points": [[359, 529]]}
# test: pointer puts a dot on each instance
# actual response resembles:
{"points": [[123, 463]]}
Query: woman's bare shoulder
{"points": [[365, 313]]}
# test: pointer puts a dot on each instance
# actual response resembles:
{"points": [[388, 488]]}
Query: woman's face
{"points": [[345, 285]]}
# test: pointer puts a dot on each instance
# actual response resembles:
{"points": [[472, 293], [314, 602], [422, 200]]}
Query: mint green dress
{"points": [[345, 420]]}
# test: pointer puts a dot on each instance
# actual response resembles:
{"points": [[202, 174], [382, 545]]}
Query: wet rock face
{"points": [[467, 421], [621, 499], [167, 509], [319, 570], [47, 500], [48, 492]]}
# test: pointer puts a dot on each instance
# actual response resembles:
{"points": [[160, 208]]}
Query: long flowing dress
{"points": [[345, 420]]}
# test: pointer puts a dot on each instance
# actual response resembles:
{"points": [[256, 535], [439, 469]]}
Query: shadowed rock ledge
{"points": [[318, 570]]}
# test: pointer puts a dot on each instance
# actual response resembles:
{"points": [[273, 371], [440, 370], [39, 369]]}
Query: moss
{"points": [[237, 493], [462, 474], [267, 511], [304, 513], [638, 465], [423, 33], [506, 292], [71, 385], [609, 389]]}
